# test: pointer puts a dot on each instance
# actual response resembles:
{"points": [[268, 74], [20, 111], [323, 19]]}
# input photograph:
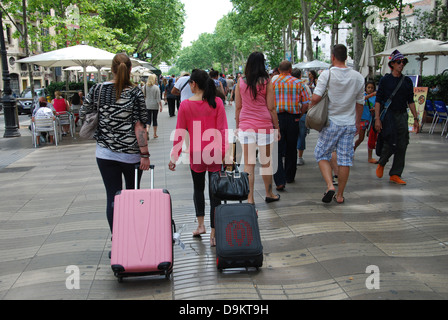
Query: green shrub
{"points": [[441, 83], [62, 86]]}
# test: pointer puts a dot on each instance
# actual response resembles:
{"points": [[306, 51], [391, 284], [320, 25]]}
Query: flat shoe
{"points": [[328, 196], [280, 187], [269, 200], [212, 242]]}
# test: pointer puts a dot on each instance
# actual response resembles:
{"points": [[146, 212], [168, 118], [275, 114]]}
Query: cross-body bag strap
{"points": [[99, 97], [180, 92], [184, 86], [328, 81], [389, 101]]}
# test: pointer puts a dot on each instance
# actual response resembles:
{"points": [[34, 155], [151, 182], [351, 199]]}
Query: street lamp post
{"points": [[9, 103], [317, 39]]}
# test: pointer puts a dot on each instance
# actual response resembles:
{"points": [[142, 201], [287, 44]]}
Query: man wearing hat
{"points": [[394, 126]]}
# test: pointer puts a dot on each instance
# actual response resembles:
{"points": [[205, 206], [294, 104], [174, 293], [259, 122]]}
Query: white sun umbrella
{"points": [[139, 70], [391, 42], [89, 69], [80, 55], [299, 65], [316, 64], [367, 64], [81, 69], [146, 65], [421, 48]]}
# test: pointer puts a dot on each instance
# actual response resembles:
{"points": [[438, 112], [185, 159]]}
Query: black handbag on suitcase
{"points": [[238, 241]]}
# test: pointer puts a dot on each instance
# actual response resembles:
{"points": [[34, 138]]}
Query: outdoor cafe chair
{"points": [[442, 114], [44, 124], [430, 112], [66, 118]]}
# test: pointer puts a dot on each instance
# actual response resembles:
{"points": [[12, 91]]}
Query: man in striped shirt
{"points": [[291, 99]]}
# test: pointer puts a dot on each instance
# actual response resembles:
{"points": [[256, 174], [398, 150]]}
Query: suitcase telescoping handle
{"points": [[151, 168]]}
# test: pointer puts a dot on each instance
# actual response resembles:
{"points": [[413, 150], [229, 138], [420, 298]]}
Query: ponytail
{"points": [[210, 92], [121, 67], [206, 84]]}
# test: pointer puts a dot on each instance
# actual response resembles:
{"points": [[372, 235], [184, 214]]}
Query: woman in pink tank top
{"points": [[257, 122], [61, 105]]}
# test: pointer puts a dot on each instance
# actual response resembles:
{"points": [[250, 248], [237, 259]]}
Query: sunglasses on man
{"points": [[403, 61]]}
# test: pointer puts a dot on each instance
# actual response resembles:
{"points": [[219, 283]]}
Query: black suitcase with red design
{"points": [[238, 241]]}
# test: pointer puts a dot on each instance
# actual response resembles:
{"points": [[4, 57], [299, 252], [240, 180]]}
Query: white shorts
{"points": [[261, 139]]}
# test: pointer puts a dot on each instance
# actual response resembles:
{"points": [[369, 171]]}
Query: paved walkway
{"points": [[52, 216]]}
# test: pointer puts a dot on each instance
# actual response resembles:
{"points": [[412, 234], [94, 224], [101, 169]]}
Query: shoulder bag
{"points": [[317, 116], [90, 124], [230, 185]]}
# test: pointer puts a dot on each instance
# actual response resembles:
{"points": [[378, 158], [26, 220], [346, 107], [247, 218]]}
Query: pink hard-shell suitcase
{"points": [[143, 228]]}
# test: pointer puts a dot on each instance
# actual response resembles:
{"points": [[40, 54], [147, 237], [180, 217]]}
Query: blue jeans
{"points": [[301, 144]]}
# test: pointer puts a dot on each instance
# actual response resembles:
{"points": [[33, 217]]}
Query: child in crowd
{"points": [[366, 120]]}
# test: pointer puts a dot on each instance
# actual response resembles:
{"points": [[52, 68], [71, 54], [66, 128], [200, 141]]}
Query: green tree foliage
{"points": [[148, 26], [133, 26]]}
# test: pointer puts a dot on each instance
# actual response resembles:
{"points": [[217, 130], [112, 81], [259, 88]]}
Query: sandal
{"points": [[212, 242], [328, 196], [156, 136], [336, 200]]}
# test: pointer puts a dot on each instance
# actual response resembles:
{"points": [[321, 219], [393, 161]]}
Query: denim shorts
{"points": [[339, 139], [261, 139]]}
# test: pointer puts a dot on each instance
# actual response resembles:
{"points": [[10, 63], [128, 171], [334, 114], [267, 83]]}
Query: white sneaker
{"points": [[335, 180], [300, 161]]}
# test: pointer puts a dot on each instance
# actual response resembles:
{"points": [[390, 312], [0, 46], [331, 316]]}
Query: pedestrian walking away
{"points": [[170, 98], [346, 93], [395, 94], [291, 97], [202, 114], [153, 101], [303, 130], [121, 135], [257, 122]]}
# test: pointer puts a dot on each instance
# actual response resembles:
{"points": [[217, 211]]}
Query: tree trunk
{"points": [[400, 13], [358, 42], [27, 48], [307, 30]]}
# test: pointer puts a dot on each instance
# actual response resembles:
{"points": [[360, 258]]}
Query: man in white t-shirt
{"points": [[182, 88], [346, 94]]}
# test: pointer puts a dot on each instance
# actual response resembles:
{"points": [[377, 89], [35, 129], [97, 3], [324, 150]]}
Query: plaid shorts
{"points": [[339, 139]]}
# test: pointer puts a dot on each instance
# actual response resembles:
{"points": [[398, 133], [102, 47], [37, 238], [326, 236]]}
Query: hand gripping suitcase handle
{"points": [[151, 168]]}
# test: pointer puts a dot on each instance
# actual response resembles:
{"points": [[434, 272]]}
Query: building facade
{"points": [[20, 78]]}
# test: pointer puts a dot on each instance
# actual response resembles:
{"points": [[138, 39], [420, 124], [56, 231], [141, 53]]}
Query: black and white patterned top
{"points": [[117, 118]]}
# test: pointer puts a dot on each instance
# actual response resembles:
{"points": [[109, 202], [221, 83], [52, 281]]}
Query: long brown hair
{"points": [[121, 67]]}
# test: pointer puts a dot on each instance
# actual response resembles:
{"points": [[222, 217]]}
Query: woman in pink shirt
{"points": [[257, 122], [61, 106], [204, 117]]}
